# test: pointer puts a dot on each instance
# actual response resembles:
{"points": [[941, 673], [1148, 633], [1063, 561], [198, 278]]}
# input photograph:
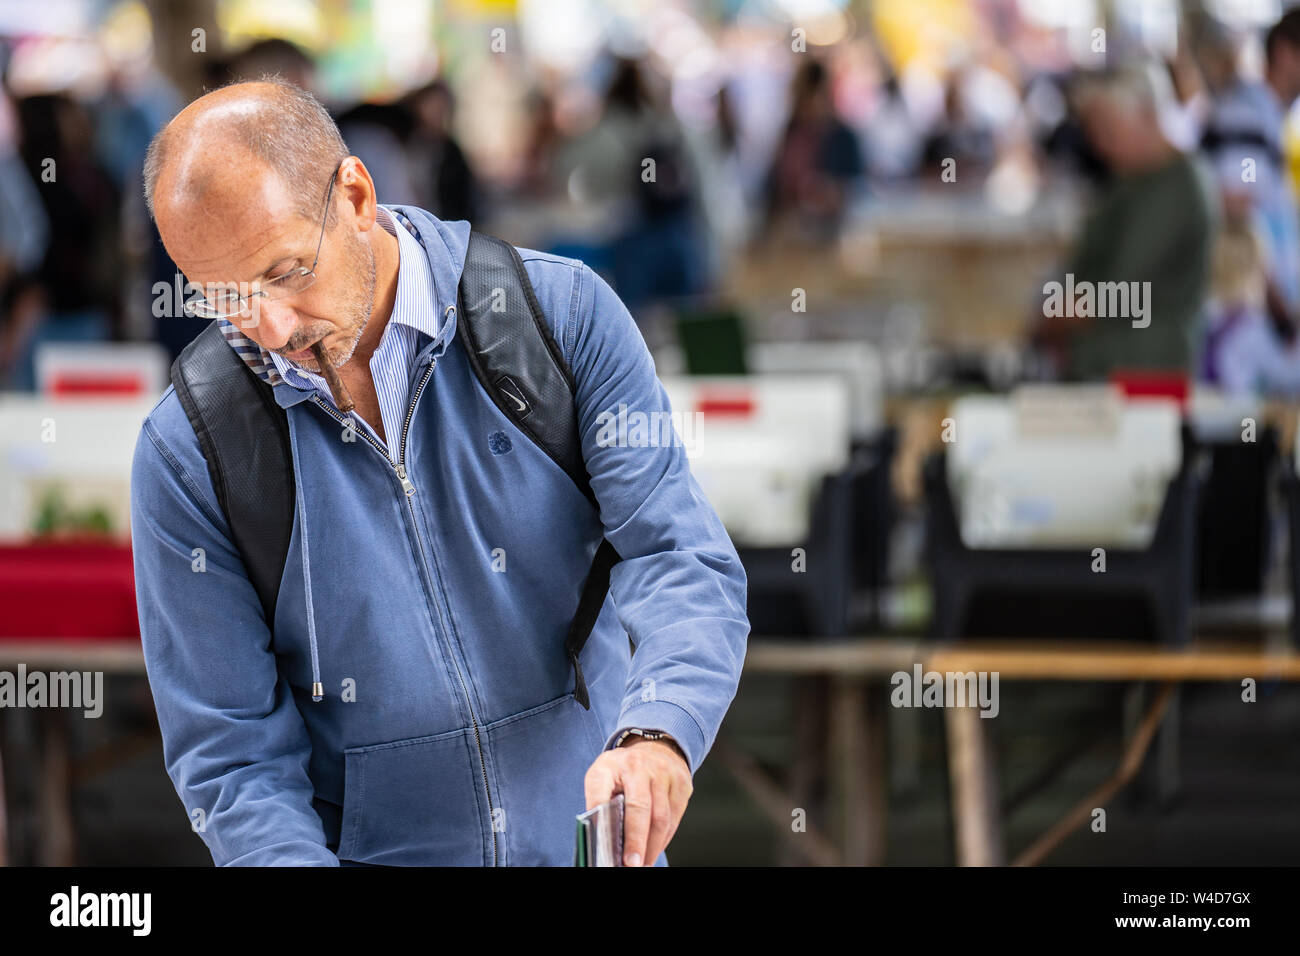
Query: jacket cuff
{"points": [[298, 853], [669, 718]]}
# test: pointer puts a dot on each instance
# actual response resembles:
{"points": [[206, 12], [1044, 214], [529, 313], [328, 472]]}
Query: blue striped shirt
{"points": [[414, 313]]}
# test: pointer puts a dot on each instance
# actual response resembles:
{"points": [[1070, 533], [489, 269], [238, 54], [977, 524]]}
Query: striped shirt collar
{"points": [[415, 305]]}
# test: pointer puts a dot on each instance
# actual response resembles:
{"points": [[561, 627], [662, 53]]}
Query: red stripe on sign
{"points": [[734, 406], [97, 385]]}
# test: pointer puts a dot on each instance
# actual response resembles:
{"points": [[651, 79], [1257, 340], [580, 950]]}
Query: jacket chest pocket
{"points": [[413, 803]]}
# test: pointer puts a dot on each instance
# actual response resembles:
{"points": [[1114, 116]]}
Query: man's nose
{"points": [[275, 321]]}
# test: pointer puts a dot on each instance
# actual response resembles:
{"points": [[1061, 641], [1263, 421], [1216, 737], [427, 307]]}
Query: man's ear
{"points": [[358, 188]]}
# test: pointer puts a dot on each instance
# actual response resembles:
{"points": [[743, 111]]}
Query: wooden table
{"points": [[853, 711], [972, 769], [855, 716], [56, 774]]}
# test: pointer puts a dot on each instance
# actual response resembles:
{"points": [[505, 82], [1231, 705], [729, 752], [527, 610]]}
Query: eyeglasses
{"points": [[227, 303]]}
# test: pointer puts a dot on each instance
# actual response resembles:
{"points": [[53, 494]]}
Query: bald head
{"points": [[267, 127], [238, 184]]}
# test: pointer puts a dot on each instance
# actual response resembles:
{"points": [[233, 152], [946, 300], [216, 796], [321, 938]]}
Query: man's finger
{"points": [[661, 820], [599, 783], [636, 815]]}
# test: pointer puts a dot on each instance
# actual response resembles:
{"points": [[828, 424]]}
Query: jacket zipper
{"points": [[409, 489]]}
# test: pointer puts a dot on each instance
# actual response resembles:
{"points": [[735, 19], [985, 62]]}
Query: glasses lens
{"points": [[288, 284], [222, 305], [204, 309]]}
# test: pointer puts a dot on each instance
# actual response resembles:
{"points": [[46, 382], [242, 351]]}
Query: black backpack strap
{"points": [[244, 435], [520, 366], [594, 590], [514, 356]]}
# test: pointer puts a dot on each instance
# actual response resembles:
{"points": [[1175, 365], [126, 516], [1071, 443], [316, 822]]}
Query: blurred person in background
{"points": [[1243, 138], [1242, 353], [440, 173], [893, 142], [79, 277], [1153, 222], [818, 163], [540, 144], [132, 109], [661, 255], [376, 133], [135, 105], [656, 249], [1188, 110], [716, 152], [960, 133], [24, 238]]}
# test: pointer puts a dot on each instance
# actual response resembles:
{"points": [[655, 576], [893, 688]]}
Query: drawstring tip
{"points": [[318, 691], [579, 683]]}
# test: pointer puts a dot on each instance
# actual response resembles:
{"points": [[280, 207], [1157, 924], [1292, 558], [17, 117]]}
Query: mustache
{"points": [[299, 343]]}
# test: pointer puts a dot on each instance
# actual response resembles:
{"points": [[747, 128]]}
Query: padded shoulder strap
{"points": [[514, 356], [520, 366], [244, 436]]}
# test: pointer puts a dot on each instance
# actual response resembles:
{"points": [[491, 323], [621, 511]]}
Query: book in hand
{"points": [[600, 835]]}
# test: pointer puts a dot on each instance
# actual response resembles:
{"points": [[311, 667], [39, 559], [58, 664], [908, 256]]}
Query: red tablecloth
{"points": [[74, 589]]}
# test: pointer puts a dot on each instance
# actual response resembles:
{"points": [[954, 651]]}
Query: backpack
{"points": [[514, 358]]}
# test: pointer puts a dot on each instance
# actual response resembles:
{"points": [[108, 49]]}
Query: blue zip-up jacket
{"points": [[448, 732]]}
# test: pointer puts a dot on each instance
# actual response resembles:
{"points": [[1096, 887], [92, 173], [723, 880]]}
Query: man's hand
{"points": [[656, 784]]}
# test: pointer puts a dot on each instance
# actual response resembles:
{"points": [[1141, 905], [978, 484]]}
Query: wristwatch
{"points": [[647, 734], [650, 735]]}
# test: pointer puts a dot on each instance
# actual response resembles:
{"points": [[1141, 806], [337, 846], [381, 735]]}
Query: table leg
{"points": [[808, 767], [1159, 777], [904, 750], [857, 734], [56, 839], [1168, 778], [973, 773], [4, 805]]}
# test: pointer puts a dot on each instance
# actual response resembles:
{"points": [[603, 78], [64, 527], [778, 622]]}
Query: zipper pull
{"points": [[406, 482]]}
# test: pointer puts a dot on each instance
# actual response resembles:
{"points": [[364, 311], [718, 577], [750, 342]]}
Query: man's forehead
{"points": [[230, 224]]}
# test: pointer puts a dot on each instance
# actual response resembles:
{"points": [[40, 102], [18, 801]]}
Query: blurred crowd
{"points": [[1184, 155]]}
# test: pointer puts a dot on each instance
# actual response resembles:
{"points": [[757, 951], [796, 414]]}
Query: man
{"points": [[1149, 233], [410, 702], [1243, 138]]}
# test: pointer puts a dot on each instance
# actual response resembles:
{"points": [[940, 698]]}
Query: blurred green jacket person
{"points": [[1155, 226], [1135, 285]]}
